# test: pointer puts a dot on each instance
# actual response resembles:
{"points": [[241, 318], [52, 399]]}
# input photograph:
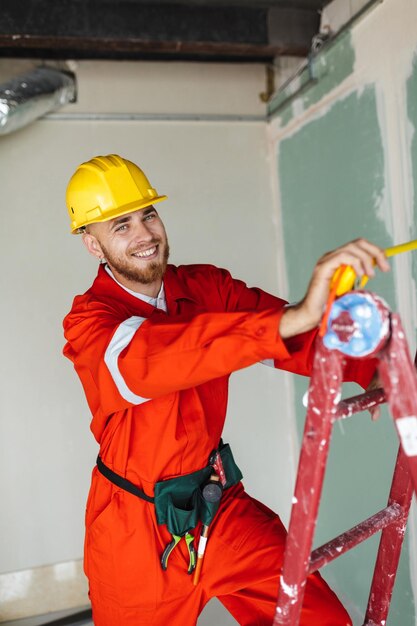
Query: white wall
{"points": [[219, 210]]}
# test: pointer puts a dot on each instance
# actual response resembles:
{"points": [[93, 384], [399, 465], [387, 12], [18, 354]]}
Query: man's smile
{"points": [[144, 254]]}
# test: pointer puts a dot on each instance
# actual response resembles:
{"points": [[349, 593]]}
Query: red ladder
{"points": [[399, 381]]}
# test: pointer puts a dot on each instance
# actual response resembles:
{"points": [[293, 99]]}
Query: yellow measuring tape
{"points": [[346, 275]]}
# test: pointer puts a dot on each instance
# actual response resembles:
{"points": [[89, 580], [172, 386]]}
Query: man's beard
{"points": [[153, 271]]}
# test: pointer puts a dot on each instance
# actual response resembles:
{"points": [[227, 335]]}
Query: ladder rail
{"points": [[390, 545], [401, 391], [321, 412], [398, 375]]}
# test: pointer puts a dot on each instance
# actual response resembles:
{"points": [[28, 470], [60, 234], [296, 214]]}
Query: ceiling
{"points": [[197, 30]]}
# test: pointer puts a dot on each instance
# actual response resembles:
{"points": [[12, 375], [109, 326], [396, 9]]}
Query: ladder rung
{"points": [[351, 538], [362, 402]]}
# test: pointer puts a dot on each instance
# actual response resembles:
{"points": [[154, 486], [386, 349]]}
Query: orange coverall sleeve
{"points": [[124, 361], [300, 349], [165, 353]]}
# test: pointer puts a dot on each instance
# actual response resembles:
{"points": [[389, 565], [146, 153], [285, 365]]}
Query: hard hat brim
{"points": [[118, 212]]}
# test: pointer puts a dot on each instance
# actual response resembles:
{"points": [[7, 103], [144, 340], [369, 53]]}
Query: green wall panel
{"points": [[332, 182], [323, 73]]}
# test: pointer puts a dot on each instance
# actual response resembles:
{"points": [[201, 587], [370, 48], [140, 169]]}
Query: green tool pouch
{"points": [[179, 502]]}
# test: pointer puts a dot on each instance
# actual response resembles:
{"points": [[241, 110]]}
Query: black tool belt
{"points": [[179, 502]]}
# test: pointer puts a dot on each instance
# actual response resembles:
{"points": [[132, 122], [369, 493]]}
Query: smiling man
{"points": [[154, 346], [142, 261]]}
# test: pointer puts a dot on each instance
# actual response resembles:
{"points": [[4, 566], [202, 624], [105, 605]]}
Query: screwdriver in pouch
{"points": [[212, 492]]}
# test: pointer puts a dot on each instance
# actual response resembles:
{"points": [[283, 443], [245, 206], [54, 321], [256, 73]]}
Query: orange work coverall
{"points": [[157, 386]]}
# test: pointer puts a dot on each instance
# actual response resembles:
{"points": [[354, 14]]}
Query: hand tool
{"points": [[217, 464], [200, 554], [212, 492], [346, 276], [189, 540], [344, 280]]}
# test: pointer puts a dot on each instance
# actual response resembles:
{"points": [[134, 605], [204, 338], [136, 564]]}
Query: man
{"points": [[154, 346]]}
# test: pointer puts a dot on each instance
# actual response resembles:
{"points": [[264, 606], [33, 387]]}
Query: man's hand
{"points": [[360, 254]]}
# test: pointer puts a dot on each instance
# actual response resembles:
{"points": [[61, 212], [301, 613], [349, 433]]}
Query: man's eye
{"points": [[149, 216], [121, 227]]}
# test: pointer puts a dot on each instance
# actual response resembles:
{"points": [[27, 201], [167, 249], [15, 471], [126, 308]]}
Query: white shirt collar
{"points": [[159, 302]]}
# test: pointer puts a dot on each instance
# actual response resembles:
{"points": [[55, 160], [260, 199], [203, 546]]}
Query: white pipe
{"points": [[155, 117]]}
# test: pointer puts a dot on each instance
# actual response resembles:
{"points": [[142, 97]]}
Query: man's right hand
{"points": [[360, 254]]}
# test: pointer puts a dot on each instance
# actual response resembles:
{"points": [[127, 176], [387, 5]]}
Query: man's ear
{"points": [[93, 246]]}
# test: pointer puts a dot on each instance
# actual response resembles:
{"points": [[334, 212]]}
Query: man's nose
{"points": [[141, 232]]}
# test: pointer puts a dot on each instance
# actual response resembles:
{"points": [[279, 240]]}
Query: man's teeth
{"points": [[146, 253]]}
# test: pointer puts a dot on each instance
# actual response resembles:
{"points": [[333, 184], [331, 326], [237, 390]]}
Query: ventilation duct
{"points": [[27, 97]]}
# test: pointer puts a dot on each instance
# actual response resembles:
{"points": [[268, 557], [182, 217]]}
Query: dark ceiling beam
{"points": [[126, 29]]}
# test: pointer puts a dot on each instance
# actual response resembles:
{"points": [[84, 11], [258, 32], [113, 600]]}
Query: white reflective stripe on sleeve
{"points": [[121, 338], [269, 362]]}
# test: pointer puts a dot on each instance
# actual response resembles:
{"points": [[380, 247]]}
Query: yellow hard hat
{"points": [[106, 187]]}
